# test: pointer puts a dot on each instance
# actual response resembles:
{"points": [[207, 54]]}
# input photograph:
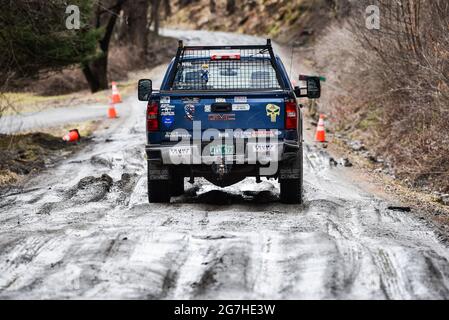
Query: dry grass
{"points": [[8, 177], [28, 153], [391, 87], [30, 102]]}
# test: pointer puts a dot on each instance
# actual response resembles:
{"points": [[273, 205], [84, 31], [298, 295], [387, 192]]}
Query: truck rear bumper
{"points": [[195, 154]]}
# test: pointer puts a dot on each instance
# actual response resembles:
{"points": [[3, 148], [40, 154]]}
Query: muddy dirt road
{"points": [[85, 230], [52, 117]]}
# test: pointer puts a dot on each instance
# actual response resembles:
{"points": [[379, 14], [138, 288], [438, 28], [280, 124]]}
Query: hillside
{"points": [[284, 20]]}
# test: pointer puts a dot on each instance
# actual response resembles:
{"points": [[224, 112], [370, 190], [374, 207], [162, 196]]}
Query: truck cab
{"points": [[225, 114]]}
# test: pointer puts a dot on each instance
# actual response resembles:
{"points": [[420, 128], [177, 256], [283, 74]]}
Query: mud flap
{"points": [[289, 173], [291, 169], [290, 180], [158, 172], [158, 183]]}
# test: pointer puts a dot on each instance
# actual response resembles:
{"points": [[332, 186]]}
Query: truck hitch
{"points": [[221, 169]]}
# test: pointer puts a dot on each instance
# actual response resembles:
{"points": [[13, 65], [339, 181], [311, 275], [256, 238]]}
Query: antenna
{"points": [[269, 42]]}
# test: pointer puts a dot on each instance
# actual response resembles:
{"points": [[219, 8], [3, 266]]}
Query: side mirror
{"points": [[144, 89], [312, 90]]}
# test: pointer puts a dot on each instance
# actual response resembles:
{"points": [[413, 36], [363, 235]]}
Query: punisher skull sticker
{"points": [[273, 111]]}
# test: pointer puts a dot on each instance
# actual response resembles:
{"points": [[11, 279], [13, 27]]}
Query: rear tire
{"points": [[177, 186], [158, 190], [292, 189]]}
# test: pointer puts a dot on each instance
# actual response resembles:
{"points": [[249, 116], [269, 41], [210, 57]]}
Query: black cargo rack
{"points": [[257, 72]]}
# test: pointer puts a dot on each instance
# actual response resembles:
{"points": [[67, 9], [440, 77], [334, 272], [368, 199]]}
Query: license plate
{"points": [[222, 150], [264, 147], [180, 151]]}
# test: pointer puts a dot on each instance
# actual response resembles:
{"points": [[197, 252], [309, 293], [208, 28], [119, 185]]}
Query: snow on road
{"points": [[86, 230]]}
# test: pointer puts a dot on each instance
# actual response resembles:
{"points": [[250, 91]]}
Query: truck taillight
{"points": [[291, 115], [152, 116]]}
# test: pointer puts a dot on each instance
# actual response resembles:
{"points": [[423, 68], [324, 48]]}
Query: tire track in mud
{"points": [[268, 279], [31, 262], [389, 255], [352, 272], [89, 189]]}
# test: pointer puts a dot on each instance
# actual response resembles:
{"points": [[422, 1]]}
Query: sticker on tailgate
{"points": [[273, 111], [191, 100], [240, 107], [189, 110], [240, 99], [168, 121], [221, 117], [167, 110]]}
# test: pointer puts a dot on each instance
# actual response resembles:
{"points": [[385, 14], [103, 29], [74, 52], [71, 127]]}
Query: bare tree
{"points": [[213, 6], [155, 15], [411, 49], [184, 3], [134, 30], [230, 6], [167, 8]]}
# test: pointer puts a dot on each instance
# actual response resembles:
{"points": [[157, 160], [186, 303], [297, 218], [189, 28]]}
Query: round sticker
{"points": [[168, 121]]}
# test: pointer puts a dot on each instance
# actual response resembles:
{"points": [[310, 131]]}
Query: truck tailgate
{"points": [[222, 111]]}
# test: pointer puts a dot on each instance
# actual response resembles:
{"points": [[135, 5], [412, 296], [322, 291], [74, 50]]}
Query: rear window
{"points": [[212, 71]]}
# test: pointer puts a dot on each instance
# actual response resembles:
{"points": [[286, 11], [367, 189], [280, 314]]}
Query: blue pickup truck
{"points": [[225, 113]]}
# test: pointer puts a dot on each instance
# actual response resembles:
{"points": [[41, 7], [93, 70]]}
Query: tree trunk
{"points": [[134, 31], [155, 15], [95, 72], [213, 6], [184, 3], [167, 8], [230, 6]]}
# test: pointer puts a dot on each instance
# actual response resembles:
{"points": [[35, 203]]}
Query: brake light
{"points": [[225, 55], [291, 115], [152, 116]]}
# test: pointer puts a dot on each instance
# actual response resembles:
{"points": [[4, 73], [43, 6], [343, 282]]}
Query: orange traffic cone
{"points": [[320, 131], [112, 113], [116, 98], [72, 136]]}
